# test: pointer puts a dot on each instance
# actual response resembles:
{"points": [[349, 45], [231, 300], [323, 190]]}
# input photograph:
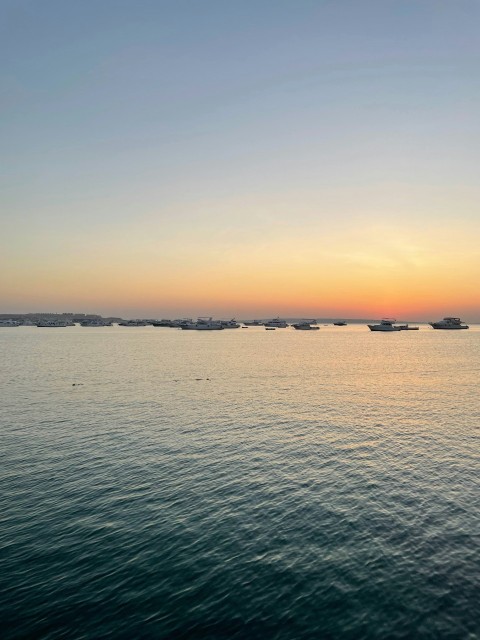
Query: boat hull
{"points": [[306, 328], [450, 328]]}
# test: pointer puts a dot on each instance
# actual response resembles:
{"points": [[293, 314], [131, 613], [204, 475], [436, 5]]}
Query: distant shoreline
{"points": [[79, 317]]}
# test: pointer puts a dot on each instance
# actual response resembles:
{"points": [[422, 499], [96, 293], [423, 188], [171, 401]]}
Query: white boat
{"points": [[230, 324], [253, 323], [276, 323], [386, 324], [203, 324], [449, 323], [305, 326], [10, 323]]}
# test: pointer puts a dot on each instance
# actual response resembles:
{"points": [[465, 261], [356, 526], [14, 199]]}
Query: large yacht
{"points": [[203, 324], [276, 323], [449, 323], [386, 324]]}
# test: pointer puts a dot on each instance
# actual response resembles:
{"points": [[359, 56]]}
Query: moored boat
{"points": [[95, 323], [203, 324], [55, 324], [161, 323], [305, 326], [386, 324], [276, 323], [230, 324], [133, 323], [10, 323], [449, 323]]}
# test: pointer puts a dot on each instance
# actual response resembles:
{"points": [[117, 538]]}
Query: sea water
{"points": [[159, 483]]}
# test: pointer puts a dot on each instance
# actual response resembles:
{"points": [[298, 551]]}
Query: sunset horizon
{"points": [[240, 319]]}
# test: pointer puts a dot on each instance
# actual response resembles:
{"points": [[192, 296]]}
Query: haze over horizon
{"points": [[306, 159]]}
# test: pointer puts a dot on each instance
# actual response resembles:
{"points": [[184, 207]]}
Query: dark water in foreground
{"points": [[239, 484]]}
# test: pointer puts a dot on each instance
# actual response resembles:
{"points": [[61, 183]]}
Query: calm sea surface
{"points": [[157, 483]]}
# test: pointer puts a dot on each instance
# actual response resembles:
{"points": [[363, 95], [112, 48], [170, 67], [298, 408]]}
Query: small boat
{"points": [[253, 323], [386, 324], [305, 326], [449, 323], [340, 323], [406, 327], [269, 328]]}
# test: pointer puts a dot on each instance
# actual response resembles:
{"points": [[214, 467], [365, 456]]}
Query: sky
{"points": [[241, 158]]}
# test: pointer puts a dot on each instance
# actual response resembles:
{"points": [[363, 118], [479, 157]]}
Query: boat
{"points": [[133, 323], [340, 323], [276, 323], [179, 322], [203, 324], [253, 323], [161, 323], [230, 324], [449, 323], [269, 328], [52, 324], [10, 323], [386, 324], [305, 326], [95, 323], [406, 327]]}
